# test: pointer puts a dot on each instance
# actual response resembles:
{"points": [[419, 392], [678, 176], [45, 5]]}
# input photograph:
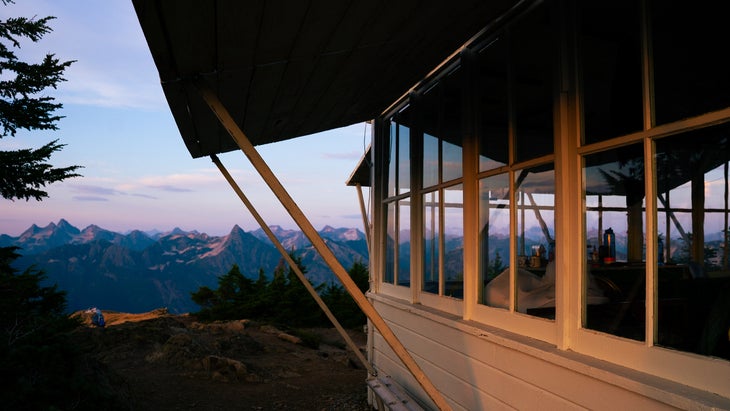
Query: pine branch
{"points": [[24, 172]]}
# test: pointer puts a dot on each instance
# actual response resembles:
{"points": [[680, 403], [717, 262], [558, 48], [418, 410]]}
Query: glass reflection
{"points": [[454, 242], [392, 157], [404, 243], [697, 82], [451, 161], [614, 214], [398, 244], [531, 59], [390, 245], [694, 280], [492, 105], [443, 271], [535, 201], [431, 246], [404, 159], [494, 233], [611, 68], [430, 160]]}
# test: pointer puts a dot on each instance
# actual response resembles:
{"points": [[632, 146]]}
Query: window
{"points": [[693, 284], [517, 127], [690, 68], [610, 57], [442, 195], [492, 106], [615, 280], [398, 244], [535, 209], [679, 298], [494, 234], [397, 218], [443, 271], [531, 59]]}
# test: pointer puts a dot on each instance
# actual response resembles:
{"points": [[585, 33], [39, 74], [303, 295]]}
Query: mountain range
{"points": [[138, 271]]}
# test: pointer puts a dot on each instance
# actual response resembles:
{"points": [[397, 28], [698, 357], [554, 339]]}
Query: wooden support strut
{"points": [[296, 213], [292, 264]]}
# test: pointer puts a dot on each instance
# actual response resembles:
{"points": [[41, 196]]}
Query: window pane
{"points": [[615, 281], [392, 158], [492, 105], [404, 243], [454, 241], [443, 272], [441, 114], [690, 67], [536, 241], [694, 283], [611, 64], [390, 245], [431, 246], [430, 160], [494, 235], [531, 55], [404, 159], [452, 125], [452, 161]]}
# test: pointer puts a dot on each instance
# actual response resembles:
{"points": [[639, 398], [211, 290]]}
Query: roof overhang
{"points": [[361, 174], [285, 69]]}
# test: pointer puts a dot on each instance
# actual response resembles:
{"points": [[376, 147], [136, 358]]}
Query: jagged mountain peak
{"points": [[278, 230], [237, 234], [177, 231], [66, 226], [40, 238], [93, 232], [92, 228], [30, 232], [138, 234]]}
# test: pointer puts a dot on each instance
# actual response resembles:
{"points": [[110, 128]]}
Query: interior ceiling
{"points": [[285, 69]]}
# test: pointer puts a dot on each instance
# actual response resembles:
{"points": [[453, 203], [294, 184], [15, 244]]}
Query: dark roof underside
{"points": [[285, 69]]}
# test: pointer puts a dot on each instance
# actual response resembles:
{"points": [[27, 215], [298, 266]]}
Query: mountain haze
{"points": [[138, 272]]}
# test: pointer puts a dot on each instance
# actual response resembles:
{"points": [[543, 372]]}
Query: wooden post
{"points": [[296, 213], [292, 264]]}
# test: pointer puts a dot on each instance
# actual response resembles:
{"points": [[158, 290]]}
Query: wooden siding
{"points": [[480, 368]]}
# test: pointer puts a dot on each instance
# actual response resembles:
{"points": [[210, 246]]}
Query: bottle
{"points": [[609, 240]]}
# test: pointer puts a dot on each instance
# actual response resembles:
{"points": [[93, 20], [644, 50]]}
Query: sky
{"points": [[137, 172]]}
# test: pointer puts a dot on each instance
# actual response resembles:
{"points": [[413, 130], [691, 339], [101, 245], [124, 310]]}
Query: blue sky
{"points": [[137, 172]]}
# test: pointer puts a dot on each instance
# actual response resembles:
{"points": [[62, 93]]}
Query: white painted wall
{"points": [[476, 367]]}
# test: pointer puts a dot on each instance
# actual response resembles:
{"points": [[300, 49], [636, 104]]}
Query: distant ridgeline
{"points": [[138, 272]]}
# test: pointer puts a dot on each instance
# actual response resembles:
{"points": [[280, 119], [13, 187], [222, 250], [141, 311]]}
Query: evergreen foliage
{"points": [[40, 366], [341, 303], [41, 369], [23, 105], [281, 300]]}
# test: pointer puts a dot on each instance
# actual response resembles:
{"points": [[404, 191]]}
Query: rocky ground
{"points": [[158, 361]]}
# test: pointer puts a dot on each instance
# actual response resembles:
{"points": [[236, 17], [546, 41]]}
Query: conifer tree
{"points": [[25, 106], [41, 367]]}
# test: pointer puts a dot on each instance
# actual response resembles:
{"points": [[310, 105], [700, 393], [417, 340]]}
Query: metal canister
{"points": [[609, 240]]}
